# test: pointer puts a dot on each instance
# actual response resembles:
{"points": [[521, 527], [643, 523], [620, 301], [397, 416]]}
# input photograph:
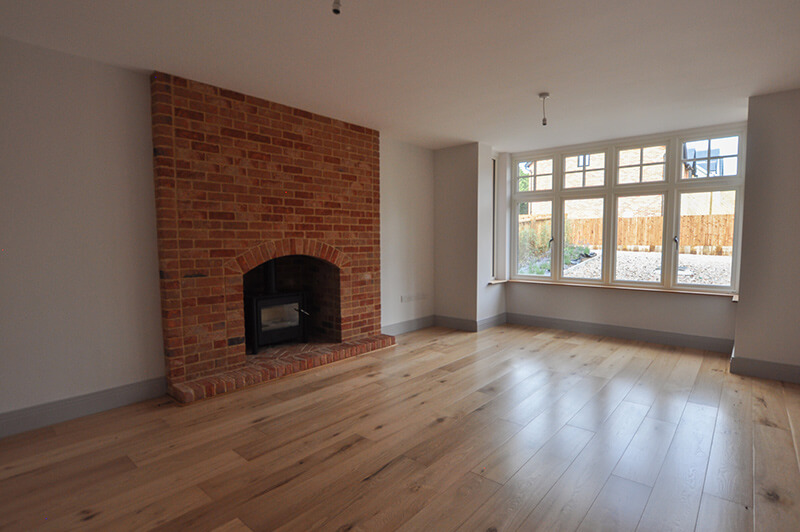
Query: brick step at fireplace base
{"points": [[274, 363]]}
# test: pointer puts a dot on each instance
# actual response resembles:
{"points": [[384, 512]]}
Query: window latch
{"points": [[676, 240], [550, 242]]}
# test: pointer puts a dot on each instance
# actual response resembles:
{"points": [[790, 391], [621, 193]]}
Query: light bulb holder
{"points": [[544, 96]]}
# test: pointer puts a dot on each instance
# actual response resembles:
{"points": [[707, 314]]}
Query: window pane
{"points": [[639, 165], [595, 178], [640, 235], [696, 149], [705, 243], [544, 182], [653, 172], [654, 154], [545, 166], [583, 238], [725, 146], [710, 158], [596, 161], [571, 163], [587, 170], [629, 175], [574, 180], [730, 166], [630, 157], [535, 231], [535, 175]]}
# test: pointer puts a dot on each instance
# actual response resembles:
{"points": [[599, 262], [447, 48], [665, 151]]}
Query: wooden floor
{"points": [[512, 428]]}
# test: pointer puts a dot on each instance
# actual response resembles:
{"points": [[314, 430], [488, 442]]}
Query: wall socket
{"points": [[413, 297]]}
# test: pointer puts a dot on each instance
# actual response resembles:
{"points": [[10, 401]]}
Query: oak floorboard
{"points": [[646, 389], [791, 394], [730, 465], [645, 455], [511, 428], [234, 525], [504, 461], [617, 508], [569, 500], [150, 500], [376, 494], [571, 393], [776, 501], [720, 514], [608, 398], [769, 406], [673, 396], [708, 386], [448, 509], [508, 507], [111, 485], [676, 495]]}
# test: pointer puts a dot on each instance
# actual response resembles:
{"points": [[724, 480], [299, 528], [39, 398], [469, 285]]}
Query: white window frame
{"points": [[664, 242], [577, 153], [670, 188]]}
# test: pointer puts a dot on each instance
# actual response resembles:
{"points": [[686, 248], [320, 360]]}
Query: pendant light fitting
{"points": [[544, 96]]}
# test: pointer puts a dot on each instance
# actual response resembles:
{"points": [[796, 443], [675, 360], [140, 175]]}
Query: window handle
{"points": [[676, 240], [550, 242]]}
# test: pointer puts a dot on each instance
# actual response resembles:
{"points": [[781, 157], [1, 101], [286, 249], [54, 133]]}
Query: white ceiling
{"points": [[439, 73]]}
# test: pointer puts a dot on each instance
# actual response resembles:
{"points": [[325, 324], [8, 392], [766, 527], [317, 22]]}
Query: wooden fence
{"points": [[712, 232]]}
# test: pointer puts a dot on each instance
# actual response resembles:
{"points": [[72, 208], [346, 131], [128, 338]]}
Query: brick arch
{"points": [[274, 249]]}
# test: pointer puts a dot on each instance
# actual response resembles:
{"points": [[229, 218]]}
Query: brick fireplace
{"points": [[240, 181]]}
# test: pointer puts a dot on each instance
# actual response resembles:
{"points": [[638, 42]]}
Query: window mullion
{"points": [[670, 249], [609, 238], [557, 248]]}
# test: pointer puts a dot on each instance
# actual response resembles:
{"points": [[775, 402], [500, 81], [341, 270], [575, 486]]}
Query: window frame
{"points": [[553, 231], [629, 146], [670, 188], [583, 171], [535, 175], [593, 194], [664, 243]]}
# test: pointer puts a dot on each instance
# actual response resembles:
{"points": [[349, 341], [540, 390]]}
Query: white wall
{"points": [[79, 301], [491, 298], [456, 231], [686, 314], [768, 318], [406, 232]]}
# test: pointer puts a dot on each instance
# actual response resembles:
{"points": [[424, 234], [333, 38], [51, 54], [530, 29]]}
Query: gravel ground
{"points": [[644, 266]]}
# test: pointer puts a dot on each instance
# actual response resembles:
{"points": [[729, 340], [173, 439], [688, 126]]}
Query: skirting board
{"points": [[38, 416], [763, 369], [408, 326], [470, 325], [720, 345]]}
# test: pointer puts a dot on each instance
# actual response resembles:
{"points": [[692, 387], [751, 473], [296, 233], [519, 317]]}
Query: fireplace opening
{"points": [[291, 299]]}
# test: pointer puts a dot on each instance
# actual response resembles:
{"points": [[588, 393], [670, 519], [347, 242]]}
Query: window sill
{"points": [[498, 281], [733, 296]]}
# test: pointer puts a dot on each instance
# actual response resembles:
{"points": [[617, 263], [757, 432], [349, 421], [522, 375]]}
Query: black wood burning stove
{"points": [[273, 319]]}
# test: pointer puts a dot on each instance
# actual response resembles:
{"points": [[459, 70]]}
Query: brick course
{"points": [[240, 180]]}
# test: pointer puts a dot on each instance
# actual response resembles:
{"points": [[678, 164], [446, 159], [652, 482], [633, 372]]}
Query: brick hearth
{"points": [[240, 181], [274, 363]]}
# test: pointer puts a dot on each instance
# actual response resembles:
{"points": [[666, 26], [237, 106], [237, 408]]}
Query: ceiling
{"points": [[438, 73]]}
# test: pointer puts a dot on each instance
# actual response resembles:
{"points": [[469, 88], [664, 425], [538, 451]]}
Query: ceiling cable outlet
{"points": [[544, 96]]}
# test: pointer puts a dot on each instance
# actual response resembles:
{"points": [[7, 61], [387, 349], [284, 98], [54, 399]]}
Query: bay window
{"points": [[667, 218]]}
